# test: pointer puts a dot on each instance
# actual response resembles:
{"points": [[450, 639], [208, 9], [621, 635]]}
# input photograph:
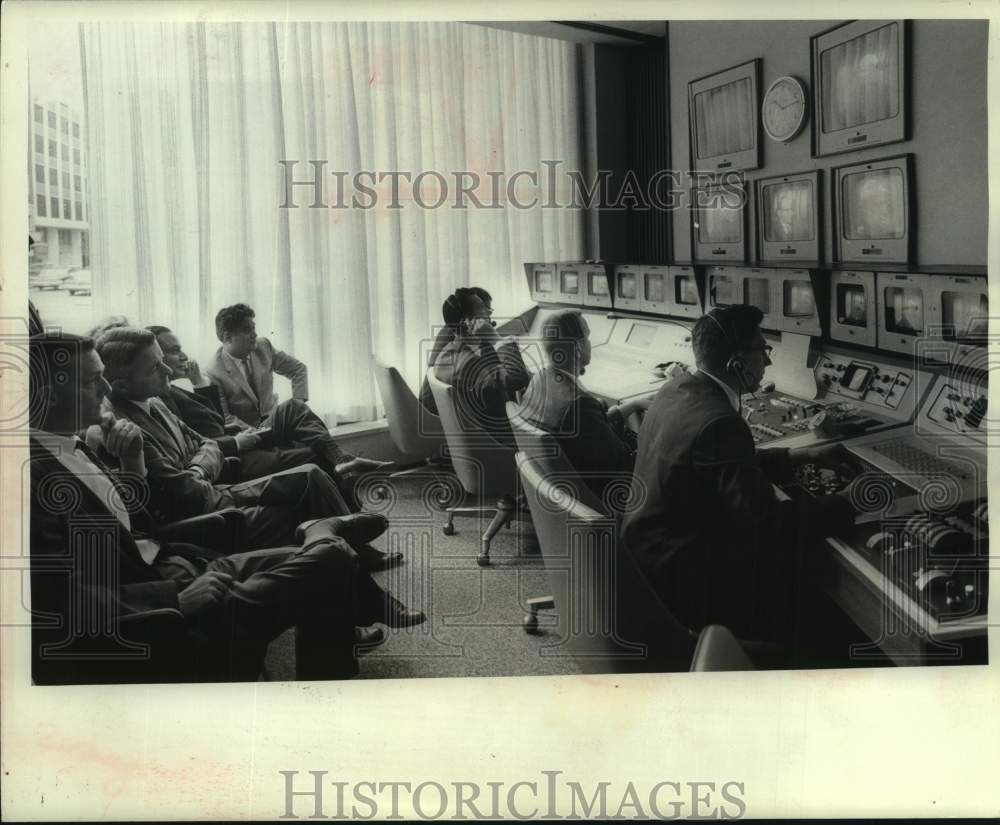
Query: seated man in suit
{"points": [[485, 372], [460, 307], [709, 535], [595, 439], [231, 606]]}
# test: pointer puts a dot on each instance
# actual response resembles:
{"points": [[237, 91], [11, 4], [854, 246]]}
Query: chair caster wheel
{"points": [[448, 529], [530, 623], [483, 560]]}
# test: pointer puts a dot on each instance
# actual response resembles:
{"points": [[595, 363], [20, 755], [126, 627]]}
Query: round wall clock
{"points": [[784, 109]]}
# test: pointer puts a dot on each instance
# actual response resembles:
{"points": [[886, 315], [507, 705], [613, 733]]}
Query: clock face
{"points": [[784, 109]]}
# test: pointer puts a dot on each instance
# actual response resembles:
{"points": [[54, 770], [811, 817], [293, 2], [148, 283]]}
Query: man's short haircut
{"points": [[111, 322], [54, 366], [561, 332], [458, 305], [119, 347], [715, 341], [233, 319], [157, 330]]}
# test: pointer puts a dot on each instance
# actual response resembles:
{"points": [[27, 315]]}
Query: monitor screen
{"points": [[598, 283], [626, 285], [799, 301], [543, 282], [641, 335], [904, 310], [964, 315], [788, 211], [685, 290], [725, 119], [757, 292], [873, 205], [722, 291], [856, 378], [720, 222], [852, 305], [655, 290], [570, 282], [860, 80]]}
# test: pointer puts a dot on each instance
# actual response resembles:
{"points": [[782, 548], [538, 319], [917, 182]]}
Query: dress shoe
{"points": [[372, 559], [397, 614], [356, 529], [368, 638]]}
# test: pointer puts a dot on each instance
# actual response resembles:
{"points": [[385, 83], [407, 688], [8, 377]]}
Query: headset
{"points": [[736, 366]]}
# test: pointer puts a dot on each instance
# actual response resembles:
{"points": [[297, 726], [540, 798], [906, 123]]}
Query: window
{"points": [[76, 130], [79, 210], [39, 115], [53, 152], [52, 119], [40, 174], [54, 203], [64, 126], [53, 175], [65, 180], [67, 210], [77, 184], [39, 143], [65, 239], [76, 156], [65, 152], [40, 205]]}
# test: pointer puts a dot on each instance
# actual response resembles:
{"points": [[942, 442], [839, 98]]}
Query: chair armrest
{"points": [[223, 530], [231, 468]]}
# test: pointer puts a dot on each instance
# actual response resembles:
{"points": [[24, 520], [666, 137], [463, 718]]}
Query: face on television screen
{"points": [[874, 205], [904, 310], [852, 305], [685, 290], [626, 285], [757, 292], [720, 223], [543, 282], [860, 80], [964, 315], [598, 284], [570, 282], [725, 119], [799, 301], [723, 291], [655, 290], [788, 211]]}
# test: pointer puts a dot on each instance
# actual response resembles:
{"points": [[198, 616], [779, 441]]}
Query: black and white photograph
{"points": [[353, 355]]}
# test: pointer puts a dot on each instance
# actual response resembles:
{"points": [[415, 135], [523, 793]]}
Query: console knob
{"points": [[952, 597], [885, 379], [840, 367]]}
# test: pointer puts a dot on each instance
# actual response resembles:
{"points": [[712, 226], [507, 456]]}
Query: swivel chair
{"points": [[415, 431], [484, 468]]}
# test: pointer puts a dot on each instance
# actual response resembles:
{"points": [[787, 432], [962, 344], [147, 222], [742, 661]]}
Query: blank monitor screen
{"points": [[757, 292], [874, 205], [904, 310], [799, 301], [964, 315], [685, 290], [723, 291], [852, 305], [655, 289], [543, 282], [570, 282], [725, 119], [788, 211], [861, 80], [626, 285], [718, 224], [598, 284]]}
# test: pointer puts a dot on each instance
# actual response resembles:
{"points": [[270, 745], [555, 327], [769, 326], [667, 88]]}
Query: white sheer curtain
{"points": [[188, 124]]}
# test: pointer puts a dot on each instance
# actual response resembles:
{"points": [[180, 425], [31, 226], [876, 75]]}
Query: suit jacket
{"points": [[182, 467], [709, 534], [240, 402], [202, 411]]}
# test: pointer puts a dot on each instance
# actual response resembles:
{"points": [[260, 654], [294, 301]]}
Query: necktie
{"points": [[248, 373]]}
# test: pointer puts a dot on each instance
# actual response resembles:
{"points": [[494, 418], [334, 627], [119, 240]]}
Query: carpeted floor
{"points": [[474, 614]]}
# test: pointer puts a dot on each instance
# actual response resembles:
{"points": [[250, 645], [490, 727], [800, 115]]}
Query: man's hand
{"points": [[194, 374], [831, 456], [483, 329], [247, 441], [204, 593], [123, 440]]}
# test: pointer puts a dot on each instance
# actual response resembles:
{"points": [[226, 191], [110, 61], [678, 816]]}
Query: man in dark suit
{"points": [[710, 535], [90, 567]]}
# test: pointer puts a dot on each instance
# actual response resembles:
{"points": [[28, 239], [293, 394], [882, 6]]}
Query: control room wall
{"points": [[948, 123]]}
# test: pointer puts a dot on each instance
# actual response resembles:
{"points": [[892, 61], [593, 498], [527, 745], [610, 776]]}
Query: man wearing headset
{"points": [[709, 534]]}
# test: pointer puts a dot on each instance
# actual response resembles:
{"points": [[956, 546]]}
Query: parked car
{"points": [[49, 278], [78, 283]]}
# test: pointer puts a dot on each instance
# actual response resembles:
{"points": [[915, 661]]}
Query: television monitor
{"points": [[627, 285], [853, 311], [859, 85], [723, 288], [758, 291], [654, 296], [570, 280], [903, 310], [788, 217], [718, 214], [682, 292], [542, 282], [958, 316], [872, 211], [798, 310], [594, 286], [722, 115]]}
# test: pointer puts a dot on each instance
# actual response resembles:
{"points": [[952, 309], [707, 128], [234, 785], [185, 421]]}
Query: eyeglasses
{"points": [[767, 349]]}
